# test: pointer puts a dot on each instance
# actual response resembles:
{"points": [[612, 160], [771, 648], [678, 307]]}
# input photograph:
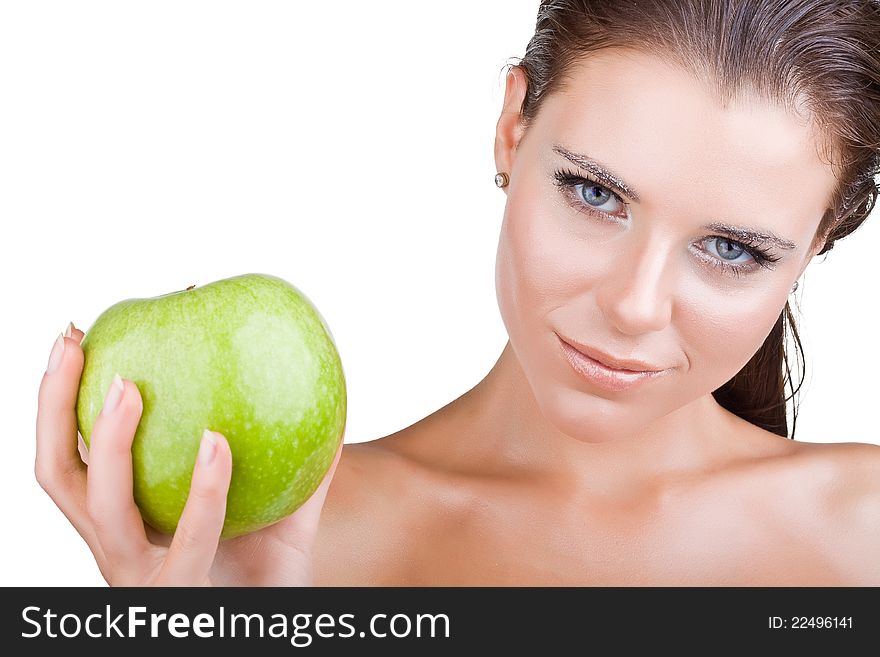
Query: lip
{"points": [[599, 373]]}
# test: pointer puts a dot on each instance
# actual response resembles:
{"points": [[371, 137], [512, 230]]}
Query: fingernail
{"points": [[114, 394], [208, 447], [57, 353], [69, 332]]}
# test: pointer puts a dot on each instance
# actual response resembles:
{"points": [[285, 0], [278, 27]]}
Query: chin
{"points": [[586, 418]]}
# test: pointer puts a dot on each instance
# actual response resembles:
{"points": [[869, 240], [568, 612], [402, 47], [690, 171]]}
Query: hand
{"points": [[95, 492]]}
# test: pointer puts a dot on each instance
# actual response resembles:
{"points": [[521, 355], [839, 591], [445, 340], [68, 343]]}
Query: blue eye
{"points": [[591, 194], [597, 195], [726, 254], [729, 251]]}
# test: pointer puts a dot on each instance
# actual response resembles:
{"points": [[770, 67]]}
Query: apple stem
{"points": [[189, 288]]}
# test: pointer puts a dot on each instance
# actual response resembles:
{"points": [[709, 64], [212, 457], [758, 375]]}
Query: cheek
{"points": [[541, 263], [721, 333], [531, 276], [540, 276]]}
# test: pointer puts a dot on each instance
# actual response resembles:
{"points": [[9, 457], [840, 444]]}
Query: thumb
{"points": [[310, 512], [302, 526]]}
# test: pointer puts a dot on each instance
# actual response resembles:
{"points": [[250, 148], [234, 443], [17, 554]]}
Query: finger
{"points": [[110, 495], [297, 532], [57, 466], [302, 525], [57, 455], [74, 333], [83, 449], [198, 531], [310, 512]]}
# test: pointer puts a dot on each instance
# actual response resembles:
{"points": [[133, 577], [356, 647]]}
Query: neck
{"points": [[512, 436]]}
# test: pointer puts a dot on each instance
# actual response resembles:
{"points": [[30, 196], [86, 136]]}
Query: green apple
{"points": [[250, 357]]}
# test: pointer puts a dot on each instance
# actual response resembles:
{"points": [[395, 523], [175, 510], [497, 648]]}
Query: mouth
{"points": [[610, 362], [599, 372]]}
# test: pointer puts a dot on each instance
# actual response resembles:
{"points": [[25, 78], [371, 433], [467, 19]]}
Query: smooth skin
{"points": [[535, 476]]}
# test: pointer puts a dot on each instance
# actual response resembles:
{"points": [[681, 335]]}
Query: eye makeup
{"points": [[572, 186]]}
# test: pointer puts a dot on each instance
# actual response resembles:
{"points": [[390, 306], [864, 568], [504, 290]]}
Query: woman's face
{"points": [[642, 275]]}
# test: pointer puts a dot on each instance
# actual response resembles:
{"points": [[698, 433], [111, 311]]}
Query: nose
{"points": [[635, 293]]}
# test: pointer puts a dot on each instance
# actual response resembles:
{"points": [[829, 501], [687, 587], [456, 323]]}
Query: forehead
{"points": [[658, 126]]}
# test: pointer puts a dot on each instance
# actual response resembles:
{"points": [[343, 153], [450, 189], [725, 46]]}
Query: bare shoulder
{"points": [[844, 479], [847, 474], [855, 503], [373, 510]]}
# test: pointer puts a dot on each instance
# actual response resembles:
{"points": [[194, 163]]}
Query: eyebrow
{"points": [[752, 235], [600, 171], [608, 177]]}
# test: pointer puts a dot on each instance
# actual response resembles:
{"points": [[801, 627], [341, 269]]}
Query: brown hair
{"points": [[822, 56]]}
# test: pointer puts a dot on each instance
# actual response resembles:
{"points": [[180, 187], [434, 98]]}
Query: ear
{"points": [[509, 129]]}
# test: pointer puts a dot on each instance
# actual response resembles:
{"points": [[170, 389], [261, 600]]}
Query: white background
{"points": [[344, 146]]}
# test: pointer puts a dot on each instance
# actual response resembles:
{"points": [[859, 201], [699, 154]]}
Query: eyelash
{"points": [[567, 180]]}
